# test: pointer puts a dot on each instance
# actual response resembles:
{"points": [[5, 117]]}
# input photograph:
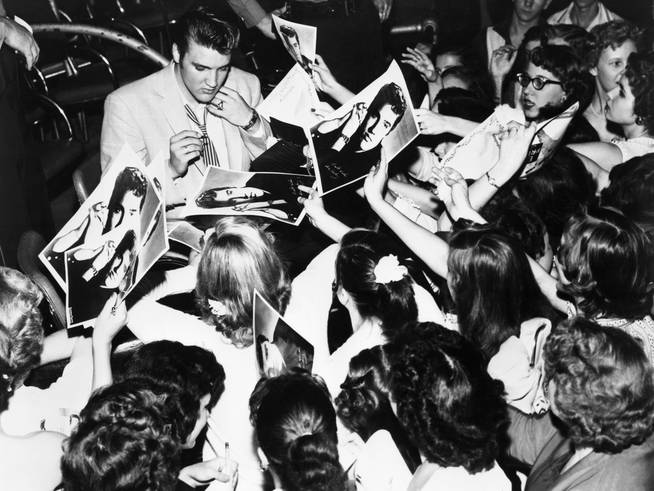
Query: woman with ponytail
{"points": [[237, 258], [295, 426]]}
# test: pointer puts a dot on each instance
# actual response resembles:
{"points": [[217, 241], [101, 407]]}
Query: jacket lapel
{"points": [[171, 100]]}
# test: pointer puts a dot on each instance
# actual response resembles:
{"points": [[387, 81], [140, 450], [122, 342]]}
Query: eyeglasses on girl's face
{"points": [[537, 82]]}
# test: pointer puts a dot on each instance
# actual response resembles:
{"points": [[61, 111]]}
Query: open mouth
{"points": [[527, 103]]}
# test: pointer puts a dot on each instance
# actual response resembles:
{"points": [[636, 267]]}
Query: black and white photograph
{"points": [[299, 40], [95, 271], [350, 141], [126, 198], [327, 245], [279, 346], [264, 194]]}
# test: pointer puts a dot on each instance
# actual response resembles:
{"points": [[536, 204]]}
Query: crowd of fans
{"points": [[515, 342]]}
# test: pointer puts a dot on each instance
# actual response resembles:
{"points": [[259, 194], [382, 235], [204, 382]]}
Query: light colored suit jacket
{"points": [[148, 112]]}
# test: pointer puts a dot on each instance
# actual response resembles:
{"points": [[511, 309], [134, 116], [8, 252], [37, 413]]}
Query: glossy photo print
{"points": [[351, 140], [279, 346], [264, 194], [126, 199]]}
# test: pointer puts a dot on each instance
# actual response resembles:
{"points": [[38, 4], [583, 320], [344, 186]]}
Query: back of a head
{"points": [[462, 103], [238, 258], [295, 424], [605, 258], [493, 287], [603, 385], [203, 27], [123, 441], [452, 409], [631, 190], [557, 191], [21, 330], [369, 268], [364, 404], [573, 36], [172, 363]]}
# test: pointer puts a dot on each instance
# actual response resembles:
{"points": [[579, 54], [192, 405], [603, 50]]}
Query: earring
{"points": [[640, 121]]}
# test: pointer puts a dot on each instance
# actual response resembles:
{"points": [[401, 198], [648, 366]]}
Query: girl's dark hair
{"points": [[631, 190], [364, 404], [604, 385], [295, 425], [573, 36], [393, 302], [493, 287], [640, 74], [562, 62], [171, 363], [557, 191], [127, 438], [455, 101], [452, 409], [605, 257], [238, 258]]}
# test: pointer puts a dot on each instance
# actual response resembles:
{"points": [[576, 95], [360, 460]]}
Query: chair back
{"points": [[31, 243], [87, 176]]}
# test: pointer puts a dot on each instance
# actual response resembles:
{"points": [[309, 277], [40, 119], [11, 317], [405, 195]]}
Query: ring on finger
{"points": [[219, 105]]}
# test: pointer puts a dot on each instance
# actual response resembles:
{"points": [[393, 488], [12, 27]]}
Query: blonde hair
{"points": [[238, 258]]}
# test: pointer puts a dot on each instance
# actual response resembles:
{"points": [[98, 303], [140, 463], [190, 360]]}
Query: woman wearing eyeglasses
{"points": [[551, 79]]}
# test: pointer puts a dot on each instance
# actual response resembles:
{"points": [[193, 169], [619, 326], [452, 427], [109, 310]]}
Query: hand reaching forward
{"points": [[421, 62], [111, 320], [514, 144], [452, 190], [375, 183], [502, 60], [430, 123]]}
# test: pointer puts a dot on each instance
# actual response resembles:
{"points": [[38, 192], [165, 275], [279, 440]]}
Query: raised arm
{"points": [[432, 250], [323, 221]]}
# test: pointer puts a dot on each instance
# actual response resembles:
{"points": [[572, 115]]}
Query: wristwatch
{"points": [[252, 122]]}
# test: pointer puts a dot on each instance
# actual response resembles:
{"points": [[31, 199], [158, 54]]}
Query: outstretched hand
{"points": [[421, 62], [112, 319], [514, 143], [375, 183], [452, 190], [313, 204], [502, 60]]}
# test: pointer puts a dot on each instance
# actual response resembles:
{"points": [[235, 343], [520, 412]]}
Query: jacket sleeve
{"points": [[119, 128]]}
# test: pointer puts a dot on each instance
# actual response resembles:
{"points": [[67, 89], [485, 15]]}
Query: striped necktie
{"points": [[209, 154]]}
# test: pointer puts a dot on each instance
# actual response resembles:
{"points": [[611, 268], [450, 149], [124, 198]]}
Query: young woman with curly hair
{"points": [[604, 269], [601, 388], [451, 408], [365, 406], [631, 107], [237, 258]]}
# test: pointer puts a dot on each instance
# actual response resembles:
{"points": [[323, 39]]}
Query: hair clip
{"points": [[389, 269], [217, 307]]}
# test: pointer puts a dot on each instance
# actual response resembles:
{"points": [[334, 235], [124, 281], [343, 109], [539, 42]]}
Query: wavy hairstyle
{"points": [[21, 330], [557, 191], [364, 404], [631, 190], [295, 424], [452, 409], [640, 74], [205, 28], [604, 256], [493, 287], [611, 34], [394, 302], [237, 259], [576, 81], [603, 385], [191, 368], [124, 441]]}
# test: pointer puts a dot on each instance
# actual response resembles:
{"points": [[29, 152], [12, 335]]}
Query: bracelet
{"points": [[253, 119], [492, 181]]}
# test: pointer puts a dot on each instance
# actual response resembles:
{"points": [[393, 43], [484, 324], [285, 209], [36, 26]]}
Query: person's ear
{"points": [[343, 296], [593, 71], [176, 54], [265, 464]]}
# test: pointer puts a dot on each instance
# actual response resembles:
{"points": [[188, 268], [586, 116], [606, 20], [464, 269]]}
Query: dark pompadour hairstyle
{"points": [[206, 29]]}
